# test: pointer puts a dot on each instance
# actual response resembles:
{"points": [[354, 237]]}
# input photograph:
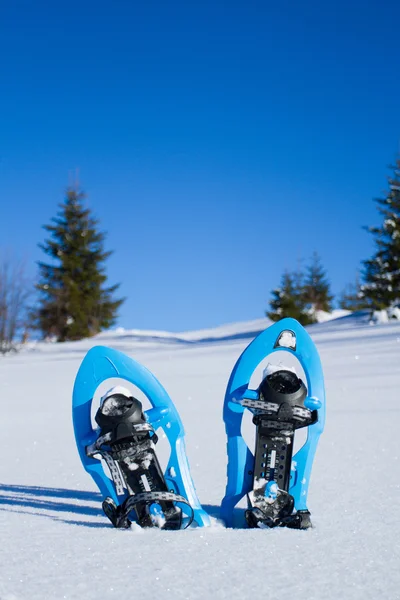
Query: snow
{"points": [[57, 544], [380, 316], [126, 339], [273, 368], [287, 339], [337, 313]]}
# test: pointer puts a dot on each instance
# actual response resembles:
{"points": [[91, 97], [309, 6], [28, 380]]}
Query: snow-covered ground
{"points": [[55, 542]]}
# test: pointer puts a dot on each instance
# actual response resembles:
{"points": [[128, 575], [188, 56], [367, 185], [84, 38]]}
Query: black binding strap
{"points": [[118, 515], [96, 447], [152, 497], [112, 453]]}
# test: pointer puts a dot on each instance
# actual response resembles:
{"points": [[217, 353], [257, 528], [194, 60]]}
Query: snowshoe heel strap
{"points": [[149, 498], [270, 513], [118, 515]]}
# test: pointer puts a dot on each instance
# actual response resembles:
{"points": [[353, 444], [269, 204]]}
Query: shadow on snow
{"points": [[16, 498], [45, 501]]}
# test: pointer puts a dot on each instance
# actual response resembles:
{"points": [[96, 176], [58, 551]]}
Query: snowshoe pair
{"points": [[274, 480]]}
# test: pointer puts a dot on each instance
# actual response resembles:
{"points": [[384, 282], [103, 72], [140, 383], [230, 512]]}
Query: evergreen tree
{"points": [[351, 297], [381, 275], [316, 292], [73, 300], [288, 301]]}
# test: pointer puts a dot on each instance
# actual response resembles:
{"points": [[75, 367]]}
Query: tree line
{"points": [[302, 294], [376, 288], [71, 299]]}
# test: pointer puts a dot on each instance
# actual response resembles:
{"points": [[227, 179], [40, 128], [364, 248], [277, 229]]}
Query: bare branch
{"points": [[14, 294]]}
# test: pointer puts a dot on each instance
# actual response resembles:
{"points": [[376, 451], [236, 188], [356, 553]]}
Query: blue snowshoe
{"points": [[275, 481], [138, 490]]}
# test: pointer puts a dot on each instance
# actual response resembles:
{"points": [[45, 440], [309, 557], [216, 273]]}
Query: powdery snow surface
{"points": [[55, 542]]}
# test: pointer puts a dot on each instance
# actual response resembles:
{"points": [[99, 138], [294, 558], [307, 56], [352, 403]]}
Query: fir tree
{"points": [[288, 301], [73, 300], [316, 291], [381, 275]]}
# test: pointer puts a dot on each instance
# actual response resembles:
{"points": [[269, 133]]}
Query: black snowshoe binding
{"points": [[278, 413], [126, 442]]}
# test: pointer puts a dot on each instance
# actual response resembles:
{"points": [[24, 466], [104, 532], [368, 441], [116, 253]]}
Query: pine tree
{"points": [[381, 289], [73, 300], [288, 300], [317, 294]]}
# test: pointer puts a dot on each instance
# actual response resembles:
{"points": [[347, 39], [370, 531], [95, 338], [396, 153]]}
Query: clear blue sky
{"points": [[219, 142]]}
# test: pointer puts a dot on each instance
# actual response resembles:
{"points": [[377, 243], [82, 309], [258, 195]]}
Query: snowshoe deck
{"points": [[138, 489], [128, 441], [278, 413], [274, 481]]}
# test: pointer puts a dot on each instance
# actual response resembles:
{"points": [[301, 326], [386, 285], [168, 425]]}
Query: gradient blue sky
{"points": [[219, 142]]}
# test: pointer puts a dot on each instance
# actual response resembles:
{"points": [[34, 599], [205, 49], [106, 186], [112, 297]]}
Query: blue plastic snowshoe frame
{"points": [[240, 457], [102, 363]]}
